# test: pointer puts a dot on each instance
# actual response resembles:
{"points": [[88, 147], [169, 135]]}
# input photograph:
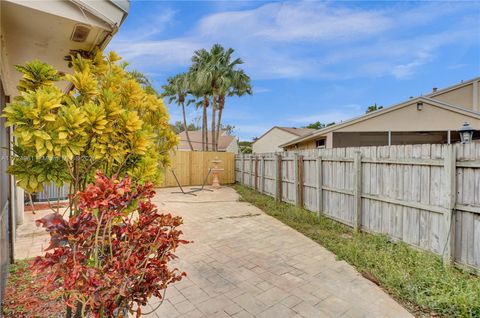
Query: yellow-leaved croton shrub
{"points": [[107, 122]]}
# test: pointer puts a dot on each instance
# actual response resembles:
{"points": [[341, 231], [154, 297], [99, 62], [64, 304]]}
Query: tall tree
{"points": [[318, 125], [176, 90], [200, 88], [143, 80], [211, 78], [234, 83], [216, 72], [373, 108], [178, 126], [201, 98], [229, 129]]}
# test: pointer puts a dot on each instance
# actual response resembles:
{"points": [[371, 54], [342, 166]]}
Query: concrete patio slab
{"points": [[244, 263]]}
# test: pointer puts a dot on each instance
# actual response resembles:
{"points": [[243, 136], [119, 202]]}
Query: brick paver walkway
{"points": [[245, 263]]}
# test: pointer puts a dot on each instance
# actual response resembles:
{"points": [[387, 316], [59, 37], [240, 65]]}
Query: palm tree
{"points": [[144, 81], [177, 90], [235, 83], [214, 70], [201, 88], [201, 96]]}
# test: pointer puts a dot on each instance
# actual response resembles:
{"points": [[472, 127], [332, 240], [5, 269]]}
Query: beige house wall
{"points": [[408, 118], [467, 96], [329, 141], [312, 144], [271, 141], [462, 96]]}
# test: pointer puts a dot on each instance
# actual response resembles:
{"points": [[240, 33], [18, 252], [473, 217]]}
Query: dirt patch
{"points": [[26, 298]]}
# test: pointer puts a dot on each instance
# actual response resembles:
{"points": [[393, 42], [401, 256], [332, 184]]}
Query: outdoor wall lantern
{"points": [[466, 133], [419, 106]]}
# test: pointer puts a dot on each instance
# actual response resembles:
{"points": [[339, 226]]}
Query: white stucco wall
{"points": [[271, 141]]}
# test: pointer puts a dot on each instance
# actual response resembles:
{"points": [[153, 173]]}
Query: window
{"points": [[320, 143]]}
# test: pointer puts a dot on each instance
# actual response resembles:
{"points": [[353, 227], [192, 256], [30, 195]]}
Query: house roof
{"points": [[299, 132], [196, 139], [376, 113]]}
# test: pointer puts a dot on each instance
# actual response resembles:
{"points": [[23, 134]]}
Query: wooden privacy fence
{"points": [[191, 168], [425, 195]]}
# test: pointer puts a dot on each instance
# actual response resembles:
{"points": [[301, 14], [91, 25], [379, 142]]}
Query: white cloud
{"points": [[404, 71], [260, 89], [153, 24], [295, 21], [306, 39], [165, 54]]}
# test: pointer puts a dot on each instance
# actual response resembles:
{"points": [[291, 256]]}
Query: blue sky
{"points": [[309, 60]]}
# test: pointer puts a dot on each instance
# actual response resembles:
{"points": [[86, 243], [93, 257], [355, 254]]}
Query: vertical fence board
{"points": [[357, 222], [319, 191]]}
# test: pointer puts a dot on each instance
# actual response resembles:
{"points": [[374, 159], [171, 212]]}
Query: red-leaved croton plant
{"points": [[113, 256]]}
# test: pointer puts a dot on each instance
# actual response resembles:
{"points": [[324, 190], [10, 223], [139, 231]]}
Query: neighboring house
{"points": [[434, 118], [47, 31], [276, 136], [226, 143]]}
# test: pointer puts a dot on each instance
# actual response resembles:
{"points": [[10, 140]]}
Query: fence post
{"points": [[278, 178], [319, 185], [300, 177], [255, 180], [262, 174], [242, 166], [251, 171], [357, 191], [451, 197], [295, 179]]}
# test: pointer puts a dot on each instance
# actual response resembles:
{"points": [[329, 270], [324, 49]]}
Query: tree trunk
{"points": [[78, 311], [221, 104], [214, 115], [205, 122], [203, 130], [185, 126]]}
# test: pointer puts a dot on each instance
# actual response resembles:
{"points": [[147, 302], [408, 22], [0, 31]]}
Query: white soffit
{"points": [[42, 30]]}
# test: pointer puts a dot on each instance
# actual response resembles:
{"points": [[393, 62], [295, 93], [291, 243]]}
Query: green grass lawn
{"points": [[415, 278]]}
